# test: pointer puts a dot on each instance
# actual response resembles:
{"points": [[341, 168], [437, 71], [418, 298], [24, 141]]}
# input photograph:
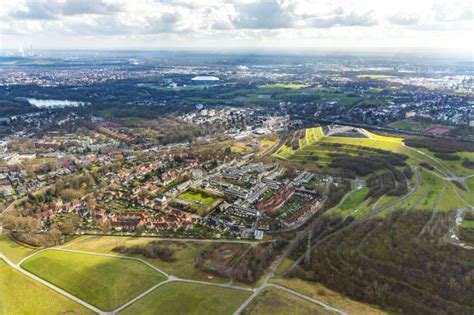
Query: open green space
{"points": [[351, 203], [407, 125], [287, 262], [197, 197], [468, 224], [283, 85], [320, 292], [199, 201], [189, 298], [276, 301], [20, 294], [13, 250], [374, 90], [451, 199], [454, 166], [185, 253], [105, 282], [373, 76]]}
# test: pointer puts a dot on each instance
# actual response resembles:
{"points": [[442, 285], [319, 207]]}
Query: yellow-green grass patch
{"points": [[13, 250], [105, 282], [20, 294], [450, 199], [189, 298], [283, 85], [277, 301], [287, 262], [374, 76], [468, 224], [318, 291], [185, 253], [434, 186], [352, 202]]}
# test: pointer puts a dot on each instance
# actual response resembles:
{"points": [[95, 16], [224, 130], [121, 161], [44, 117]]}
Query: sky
{"points": [[237, 25]]}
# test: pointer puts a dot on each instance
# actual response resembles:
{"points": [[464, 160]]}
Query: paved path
{"points": [[51, 286]]}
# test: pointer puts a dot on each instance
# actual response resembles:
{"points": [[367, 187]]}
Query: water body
{"points": [[54, 103]]}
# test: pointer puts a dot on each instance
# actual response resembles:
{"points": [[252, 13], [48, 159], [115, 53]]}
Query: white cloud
{"points": [[242, 23]]}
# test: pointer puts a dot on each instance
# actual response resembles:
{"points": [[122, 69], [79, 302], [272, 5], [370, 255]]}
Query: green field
{"points": [[189, 298], [287, 262], [282, 85], [197, 197], [373, 76], [185, 252], [22, 295], [407, 125], [314, 153], [200, 202], [276, 301], [469, 224], [105, 282], [13, 250], [351, 203], [374, 90], [320, 292]]}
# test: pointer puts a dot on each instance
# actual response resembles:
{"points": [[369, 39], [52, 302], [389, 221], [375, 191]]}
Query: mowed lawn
{"points": [[354, 200], [189, 298], [22, 295], [105, 282], [185, 252], [13, 250], [197, 197], [276, 301]]}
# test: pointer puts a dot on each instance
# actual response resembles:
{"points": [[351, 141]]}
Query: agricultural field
{"points": [[189, 298], [22, 295], [13, 250], [276, 301], [105, 282], [320, 292], [200, 202], [185, 253]]}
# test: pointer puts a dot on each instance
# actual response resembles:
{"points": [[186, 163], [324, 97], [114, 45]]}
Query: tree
{"points": [[90, 202], [54, 235], [70, 224]]}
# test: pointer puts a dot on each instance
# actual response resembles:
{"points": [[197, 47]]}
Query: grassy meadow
{"points": [[105, 282], [189, 298]]}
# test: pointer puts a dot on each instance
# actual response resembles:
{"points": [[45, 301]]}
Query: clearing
{"points": [[105, 282], [13, 250], [189, 298], [22, 295], [185, 252], [276, 301]]}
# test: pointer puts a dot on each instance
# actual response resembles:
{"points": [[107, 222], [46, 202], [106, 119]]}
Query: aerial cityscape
{"points": [[236, 157]]}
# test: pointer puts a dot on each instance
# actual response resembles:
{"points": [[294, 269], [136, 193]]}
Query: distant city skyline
{"points": [[240, 25]]}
